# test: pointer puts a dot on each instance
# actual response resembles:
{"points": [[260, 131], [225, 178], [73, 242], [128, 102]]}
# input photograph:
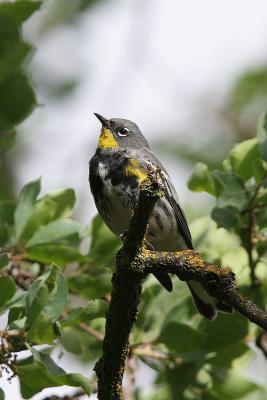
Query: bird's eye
{"points": [[123, 132]]}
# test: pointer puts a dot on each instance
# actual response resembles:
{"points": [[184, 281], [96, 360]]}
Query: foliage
{"points": [[41, 257], [17, 97], [239, 187], [250, 87], [14, 53]]}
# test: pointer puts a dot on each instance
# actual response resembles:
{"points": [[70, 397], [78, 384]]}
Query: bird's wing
{"points": [[172, 198], [146, 159]]}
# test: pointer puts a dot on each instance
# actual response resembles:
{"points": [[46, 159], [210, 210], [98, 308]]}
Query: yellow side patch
{"points": [[107, 140], [133, 169]]}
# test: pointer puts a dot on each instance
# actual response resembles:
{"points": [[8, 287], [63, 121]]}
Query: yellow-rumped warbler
{"points": [[120, 164]]}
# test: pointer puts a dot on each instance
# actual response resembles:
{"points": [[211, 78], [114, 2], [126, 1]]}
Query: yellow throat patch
{"points": [[107, 140], [134, 169]]}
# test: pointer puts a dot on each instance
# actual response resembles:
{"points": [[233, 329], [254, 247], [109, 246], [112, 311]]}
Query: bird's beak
{"points": [[103, 120]]}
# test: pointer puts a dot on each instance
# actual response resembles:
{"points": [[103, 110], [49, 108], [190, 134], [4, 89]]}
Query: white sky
{"points": [[149, 61]]}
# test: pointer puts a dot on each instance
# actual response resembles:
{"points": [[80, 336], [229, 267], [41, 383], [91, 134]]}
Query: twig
{"points": [[147, 351], [8, 358], [91, 331], [86, 328], [22, 278], [255, 282], [252, 239]]}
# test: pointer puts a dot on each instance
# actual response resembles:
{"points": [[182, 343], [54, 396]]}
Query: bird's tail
{"points": [[206, 304], [164, 279]]}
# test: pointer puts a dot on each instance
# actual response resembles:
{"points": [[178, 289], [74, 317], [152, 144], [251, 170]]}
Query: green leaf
{"points": [[94, 309], [17, 99], [40, 371], [47, 292], [91, 286], [202, 180], [225, 185], [180, 337], [58, 253], [232, 386], [11, 58], [46, 300], [7, 139], [15, 314], [226, 217], [230, 190], [262, 197], [262, 218], [25, 205], [17, 301], [17, 96], [8, 289], [262, 135], [179, 378], [259, 170], [2, 394], [104, 244], [242, 158], [249, 89], [12, 50], [158, 307], [7, 209], [225, 330], [20, 10], [37, 298], [226, 355], [3, 260], [50, 207], [53, 231], [77, 341]]}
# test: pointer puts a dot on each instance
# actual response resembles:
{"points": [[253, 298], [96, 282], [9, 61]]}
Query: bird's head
{"points": [[120, 133]]}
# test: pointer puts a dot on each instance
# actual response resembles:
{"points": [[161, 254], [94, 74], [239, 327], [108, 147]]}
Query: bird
{"points": [[120, 164]]}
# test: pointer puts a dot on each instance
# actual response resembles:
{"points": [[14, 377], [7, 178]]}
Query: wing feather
{"points": [[148, 158], [172, 198]]}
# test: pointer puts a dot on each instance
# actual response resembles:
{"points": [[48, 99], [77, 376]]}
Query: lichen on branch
{"points": [[134, 262]]}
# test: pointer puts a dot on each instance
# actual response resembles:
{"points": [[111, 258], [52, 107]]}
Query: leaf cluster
{"points": [[240, 189], [41, 266], [17, 97]]}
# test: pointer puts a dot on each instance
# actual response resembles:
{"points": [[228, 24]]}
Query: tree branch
{"points": [[134, 262], [219, 282], [125, 298]]}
